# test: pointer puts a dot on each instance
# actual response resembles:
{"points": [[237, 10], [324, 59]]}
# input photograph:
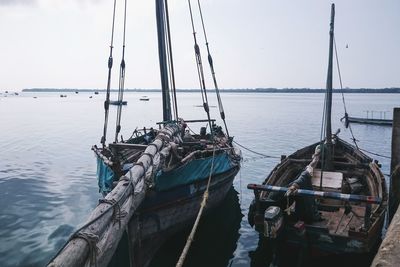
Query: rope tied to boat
{"points": [[255, 152], [91, 239], [117, 213], [141, 165], [196, 223], [154, 145], [150, 157]]}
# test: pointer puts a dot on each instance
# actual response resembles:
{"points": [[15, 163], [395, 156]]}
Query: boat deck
{"points": [[339, 223]]}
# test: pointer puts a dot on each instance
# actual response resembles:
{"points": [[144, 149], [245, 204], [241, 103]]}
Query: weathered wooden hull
{"points": [[340, 232], [165, 213]]}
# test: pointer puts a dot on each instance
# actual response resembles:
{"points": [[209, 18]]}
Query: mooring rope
{"points": [[376, 154], [196, 223], [255, 152]]}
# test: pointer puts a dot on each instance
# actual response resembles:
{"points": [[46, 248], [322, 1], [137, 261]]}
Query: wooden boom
{"points": [[318, 194]]}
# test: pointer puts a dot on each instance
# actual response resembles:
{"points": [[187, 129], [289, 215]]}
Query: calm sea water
{"points": [[47, 170]]}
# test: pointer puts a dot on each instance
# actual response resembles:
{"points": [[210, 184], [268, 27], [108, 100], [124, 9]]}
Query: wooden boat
{"points": [[118, 103], [351, 192], [144, 98], [155, 182], [179, 174]]}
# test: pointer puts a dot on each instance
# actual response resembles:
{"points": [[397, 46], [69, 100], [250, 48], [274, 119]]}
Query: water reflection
{"points": [[215, 240]]}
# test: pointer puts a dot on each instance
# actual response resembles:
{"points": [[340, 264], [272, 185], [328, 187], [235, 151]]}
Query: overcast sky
{"points": [[255, 43]]}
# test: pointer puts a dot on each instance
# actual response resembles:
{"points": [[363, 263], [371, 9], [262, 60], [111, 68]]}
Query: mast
{"points": [[162, 54], [328, 113]]}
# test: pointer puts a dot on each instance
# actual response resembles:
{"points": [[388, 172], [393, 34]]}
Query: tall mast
{"points": [[328, 113], [162, 54]]}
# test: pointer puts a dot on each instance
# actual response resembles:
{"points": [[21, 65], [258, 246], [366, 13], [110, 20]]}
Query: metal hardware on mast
{"points": [[328, 113], [162, 54]]}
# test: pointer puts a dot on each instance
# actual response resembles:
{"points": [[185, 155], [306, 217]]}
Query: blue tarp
{"points": [[198, 169], [105, 176]]}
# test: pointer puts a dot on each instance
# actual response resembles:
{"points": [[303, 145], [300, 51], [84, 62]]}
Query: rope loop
{"points": [[117, 213], [141, 165], [154, 145], [150, 156], [91, 239]]}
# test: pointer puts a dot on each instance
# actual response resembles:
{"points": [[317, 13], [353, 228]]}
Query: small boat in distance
{"points": [[96, 93], [144, 98], [117, 103], [370, 121], [328, 196]]}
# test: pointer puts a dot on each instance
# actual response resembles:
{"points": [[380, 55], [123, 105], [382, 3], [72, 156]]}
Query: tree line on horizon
{"points": [[239, 90]]}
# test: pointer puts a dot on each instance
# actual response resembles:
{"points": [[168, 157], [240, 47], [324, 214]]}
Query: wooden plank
{"points": [[332, 180]]}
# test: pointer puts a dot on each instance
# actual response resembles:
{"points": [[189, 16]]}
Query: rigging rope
{"points": [[110, 64], [200, 71], [322, 134], [121, 85], [196, 223], [210, 62], [346, 115], [376, 154]]}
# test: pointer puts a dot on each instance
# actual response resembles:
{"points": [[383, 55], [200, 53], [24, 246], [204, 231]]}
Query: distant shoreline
{"points": [[253, 90]]}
